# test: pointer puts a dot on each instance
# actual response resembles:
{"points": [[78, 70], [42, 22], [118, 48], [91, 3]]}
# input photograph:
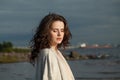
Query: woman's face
{"points": [[56, 33]]}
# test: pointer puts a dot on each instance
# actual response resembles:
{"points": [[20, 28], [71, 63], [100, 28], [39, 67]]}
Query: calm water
{"points": [[97, 69]]}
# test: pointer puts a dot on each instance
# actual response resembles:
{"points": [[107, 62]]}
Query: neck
{"points": [[54, 47]]}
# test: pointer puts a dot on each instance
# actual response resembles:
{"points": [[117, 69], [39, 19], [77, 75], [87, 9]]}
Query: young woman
{"points": [[51, 34]]}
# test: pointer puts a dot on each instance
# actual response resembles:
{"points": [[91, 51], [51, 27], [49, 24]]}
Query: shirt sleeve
{"points": [[48, 66]]}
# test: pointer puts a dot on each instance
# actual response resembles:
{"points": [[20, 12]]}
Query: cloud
{"points": [[88, 19]]}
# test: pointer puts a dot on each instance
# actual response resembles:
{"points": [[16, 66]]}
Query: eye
{"points": [[62, 30], [54, 30]]}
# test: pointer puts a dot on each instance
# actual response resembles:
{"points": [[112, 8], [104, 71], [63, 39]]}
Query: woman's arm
{"points": [[48, 66]]}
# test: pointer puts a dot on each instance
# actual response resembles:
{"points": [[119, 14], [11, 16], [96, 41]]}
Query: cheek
{"points": [[52, 35], [63, 35]]}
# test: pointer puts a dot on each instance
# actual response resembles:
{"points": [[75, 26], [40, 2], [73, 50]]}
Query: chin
{"points": [[58, 42]]}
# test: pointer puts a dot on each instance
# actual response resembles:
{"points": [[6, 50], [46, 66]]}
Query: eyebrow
{"points": [[56, 28]]}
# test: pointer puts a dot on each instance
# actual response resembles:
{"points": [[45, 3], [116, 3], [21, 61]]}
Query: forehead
{"points": [[57, 24]]}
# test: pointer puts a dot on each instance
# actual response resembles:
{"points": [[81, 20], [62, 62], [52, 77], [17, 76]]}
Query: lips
{"points": [[59, 39]]}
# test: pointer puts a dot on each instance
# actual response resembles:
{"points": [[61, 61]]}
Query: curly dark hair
{"points": [[41, 39]]}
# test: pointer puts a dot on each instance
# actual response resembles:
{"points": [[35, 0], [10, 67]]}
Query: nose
{"points": [[59, 33]]}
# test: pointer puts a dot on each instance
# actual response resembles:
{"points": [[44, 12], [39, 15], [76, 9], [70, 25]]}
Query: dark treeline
{"points": [[9, 53], [7, 46]]}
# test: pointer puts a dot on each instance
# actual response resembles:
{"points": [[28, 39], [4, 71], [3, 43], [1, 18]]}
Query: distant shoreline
{"points": [[13, 57]]}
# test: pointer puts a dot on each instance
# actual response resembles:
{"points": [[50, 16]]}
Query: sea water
{"points": [[97, 69], [91, 69]]}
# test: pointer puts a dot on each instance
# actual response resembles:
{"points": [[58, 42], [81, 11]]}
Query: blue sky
{"points": [[90, 21]]}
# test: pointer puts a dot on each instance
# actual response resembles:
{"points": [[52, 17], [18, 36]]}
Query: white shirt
{"points": [[52, 66]]}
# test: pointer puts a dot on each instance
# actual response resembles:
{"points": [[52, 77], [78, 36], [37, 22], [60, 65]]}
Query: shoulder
{"points": [[45, 51]]}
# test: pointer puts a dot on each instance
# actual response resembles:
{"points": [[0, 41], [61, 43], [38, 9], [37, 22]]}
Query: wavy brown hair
{"points": [[41, 38]]}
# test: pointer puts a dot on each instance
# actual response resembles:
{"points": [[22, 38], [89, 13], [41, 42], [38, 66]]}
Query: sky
{"points": [[90, 21]]}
